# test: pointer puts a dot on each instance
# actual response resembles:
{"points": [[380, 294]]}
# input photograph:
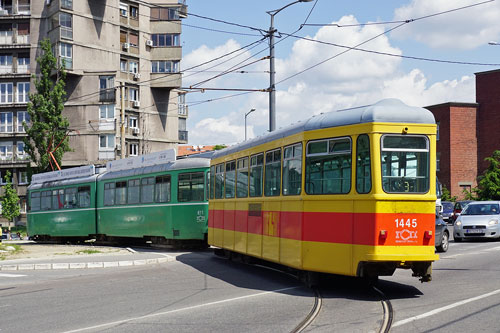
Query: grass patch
{"points": [[88, 252], [3, 247]]}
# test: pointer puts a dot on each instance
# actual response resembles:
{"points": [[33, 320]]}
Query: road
{"points": [[202, 293]]}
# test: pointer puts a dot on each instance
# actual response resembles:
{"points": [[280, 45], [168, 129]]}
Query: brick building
{"points": [[467, 134]]}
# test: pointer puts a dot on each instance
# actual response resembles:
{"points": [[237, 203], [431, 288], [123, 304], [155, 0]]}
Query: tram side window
{"points": [[57, 199], [109, 194], [219, 181], [242, 178], [229, 184], [162, 189], [121, 193], [328, 166], [363, 168], [191, 187], [147, 190], [207, 181], [292, 170], [272, 183], [133, 191], [70, 198], [35, 201], [212, 181], [84, 196], [256, 175], [405, 164], [46, 197]]}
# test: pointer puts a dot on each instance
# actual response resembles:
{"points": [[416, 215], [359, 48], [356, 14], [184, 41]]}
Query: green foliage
{"points": [[489, 182], [446, 196], [10, 200], [219, 147], [48, 126]]}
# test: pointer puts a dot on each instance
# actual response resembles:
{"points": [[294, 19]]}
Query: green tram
{"points": [[165, 204]]}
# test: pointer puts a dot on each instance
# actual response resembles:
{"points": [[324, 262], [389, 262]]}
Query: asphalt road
{"points": [[203, 293]]}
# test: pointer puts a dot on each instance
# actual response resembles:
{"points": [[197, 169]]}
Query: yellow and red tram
{"points": [[348, 192]]}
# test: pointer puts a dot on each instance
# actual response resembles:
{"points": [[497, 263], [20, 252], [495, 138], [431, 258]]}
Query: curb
{"points": [[83, 265]]}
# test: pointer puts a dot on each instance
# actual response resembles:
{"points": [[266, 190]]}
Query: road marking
{"points": [[448, 307], [12, 275], [179, 310]]}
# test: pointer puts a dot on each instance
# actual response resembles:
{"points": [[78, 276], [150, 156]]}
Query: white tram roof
{"points": [[189, 163], [63, 182], [389, 110]]}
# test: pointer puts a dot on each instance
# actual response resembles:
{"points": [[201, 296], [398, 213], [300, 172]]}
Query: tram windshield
{"points": [[405, 164]]}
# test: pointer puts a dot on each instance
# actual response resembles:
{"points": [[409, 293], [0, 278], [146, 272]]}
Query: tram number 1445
{"points": [[406, 223]]}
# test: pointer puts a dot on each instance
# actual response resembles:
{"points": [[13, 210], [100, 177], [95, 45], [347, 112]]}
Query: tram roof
{"points": [[389, 110], [189, 163], [64, 182]]}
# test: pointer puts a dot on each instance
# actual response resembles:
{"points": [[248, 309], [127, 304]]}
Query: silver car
{"points": [[480, 219]]}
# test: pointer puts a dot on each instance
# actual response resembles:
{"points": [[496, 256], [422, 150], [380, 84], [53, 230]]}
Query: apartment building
{"points": [[122, 59]]}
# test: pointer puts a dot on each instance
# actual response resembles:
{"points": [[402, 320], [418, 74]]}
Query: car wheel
{"points": [[457, 239], [445, 242]]}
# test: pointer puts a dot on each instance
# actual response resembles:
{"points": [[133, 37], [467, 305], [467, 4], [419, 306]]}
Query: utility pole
{"points": [[122, 120]]}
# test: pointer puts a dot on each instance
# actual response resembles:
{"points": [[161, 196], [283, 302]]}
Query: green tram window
{"points": [[134, 191], [272, 176], [121, 193], [46, 197], [191, 187], [363, 168], [207, 181], [242, 178], [84, 196], [109, 194], [328, 166], [256, 175], [229, 180], [292, 169], [35, 202], [70, 198], [147, 190], [162, 189], [219, 181], [57, 199], [212, 181], [405, 163]]}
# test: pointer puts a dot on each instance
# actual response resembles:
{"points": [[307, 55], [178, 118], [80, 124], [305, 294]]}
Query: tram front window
{"points": [[405, 164]]}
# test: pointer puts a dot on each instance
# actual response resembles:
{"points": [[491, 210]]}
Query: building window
{"points": [[107, 111], [5, 63], [133, 39], [106, 141], [133, 149], [133, 94], [438, 161], [23, 90], [107, 88], [6, 93], [133, 122], [133, 66], [437, 131], [123, 65], [66, 24], [166, 66], [123, 9], [5, 150], [6, 33], [181, 103], [182, 124], [164, 14], [23, 177], [6, 122], [67, 4], [162, 40], [134, 13], [21, 153], [22, 116], [66, 54], [23, 63]]}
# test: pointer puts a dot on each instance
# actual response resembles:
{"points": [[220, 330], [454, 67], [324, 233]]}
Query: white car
{"points": [[479, 219]]}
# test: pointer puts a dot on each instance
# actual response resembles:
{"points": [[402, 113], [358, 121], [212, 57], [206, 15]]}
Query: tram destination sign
{"points": [[160, 157], [78, 172]]}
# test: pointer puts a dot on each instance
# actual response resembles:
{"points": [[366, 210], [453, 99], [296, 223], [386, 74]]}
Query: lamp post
{"points": [[272, 87], [246, 114]]}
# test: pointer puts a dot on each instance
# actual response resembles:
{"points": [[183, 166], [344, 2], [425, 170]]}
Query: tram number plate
{"points": [[474, 231]]}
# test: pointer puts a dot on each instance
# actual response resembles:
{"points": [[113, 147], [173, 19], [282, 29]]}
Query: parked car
{"points": [[447, 211], [442, 236], [480, 219], [459, 206]]}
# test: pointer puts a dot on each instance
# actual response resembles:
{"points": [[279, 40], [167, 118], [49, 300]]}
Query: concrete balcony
{"points": [[165, 80]]}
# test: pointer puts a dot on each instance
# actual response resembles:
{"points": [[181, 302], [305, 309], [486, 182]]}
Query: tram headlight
{"points": [[493, 222]]}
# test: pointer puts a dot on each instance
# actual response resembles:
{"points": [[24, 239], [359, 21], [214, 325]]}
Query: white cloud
{"points": [[462, 29]]}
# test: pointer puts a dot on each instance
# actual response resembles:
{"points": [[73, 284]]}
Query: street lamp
{"points": [[272, 87], [246, 114]]}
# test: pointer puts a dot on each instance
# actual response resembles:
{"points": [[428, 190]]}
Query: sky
{"points": [[313, 77]]}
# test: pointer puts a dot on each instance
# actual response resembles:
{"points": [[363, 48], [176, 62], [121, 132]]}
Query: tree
{"points": [[48, 129], [446, 196], [219, 147], [489, 182], [10, 200]]}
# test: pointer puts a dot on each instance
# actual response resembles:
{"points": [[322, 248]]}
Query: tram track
{"points": [[318, 302], [388, 312]]}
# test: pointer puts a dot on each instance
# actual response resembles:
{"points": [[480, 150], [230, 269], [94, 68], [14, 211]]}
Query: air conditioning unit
{"points": [[126, 46], [135, 130], [137, 76], [136, 104], [149, 43]]}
